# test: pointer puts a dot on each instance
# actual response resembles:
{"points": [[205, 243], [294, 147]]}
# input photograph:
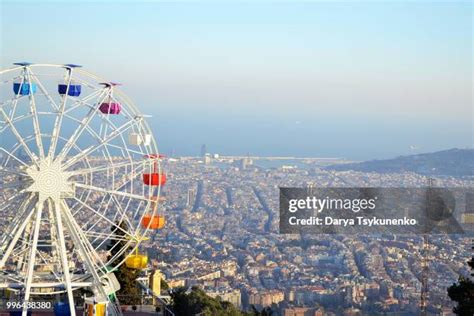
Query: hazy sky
{"points": [[348, 79]]}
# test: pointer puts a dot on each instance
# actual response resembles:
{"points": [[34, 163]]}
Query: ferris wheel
{"points": [[80, 181]]}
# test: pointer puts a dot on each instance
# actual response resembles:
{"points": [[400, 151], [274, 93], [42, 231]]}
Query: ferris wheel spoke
{"points": [[122, 216], [6, 203], [10, 171], [83, 244], [54, 235], [11, 69], [91, 131], [59, 118], [63, 255], [18, 119], [16, 98], [15, 229], [91, 149], [63, 112], [20, 254], [103, 168], [13, 156], [70, 220], [84, 101], [87, 225], [36, 125], [115, 192], [124, 148], [47, 261], [104, 218], [44, 91], [104, 236], [18, 137], [127, 178], [118, 206], [13, 110], [32, 256], [10, 185], [78, 132]]}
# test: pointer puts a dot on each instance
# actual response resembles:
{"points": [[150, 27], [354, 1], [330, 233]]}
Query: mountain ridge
{"points": [[451, 162]]}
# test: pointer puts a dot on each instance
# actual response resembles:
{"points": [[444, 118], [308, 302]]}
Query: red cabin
{"points": [[154, 178]]}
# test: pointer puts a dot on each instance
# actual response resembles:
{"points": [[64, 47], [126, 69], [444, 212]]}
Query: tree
{"points": [[267, 311], [129, 293], [164, 285], [463, 294], [189, 302]]}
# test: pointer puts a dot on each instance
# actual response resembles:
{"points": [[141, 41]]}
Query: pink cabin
{"points": [[110, 108]]}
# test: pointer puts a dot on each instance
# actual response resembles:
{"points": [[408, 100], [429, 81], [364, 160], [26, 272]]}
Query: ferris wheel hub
{"points": [[49, 180]]}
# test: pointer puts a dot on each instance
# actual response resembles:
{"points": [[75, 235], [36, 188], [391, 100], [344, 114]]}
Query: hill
{"points": [[452, 162]]}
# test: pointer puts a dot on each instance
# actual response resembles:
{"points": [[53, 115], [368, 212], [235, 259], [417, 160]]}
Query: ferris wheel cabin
{"points": [[73, 91], [153, 222], [24, 88], [110, 108], [155, 178], [139, 139], [136, 261]]}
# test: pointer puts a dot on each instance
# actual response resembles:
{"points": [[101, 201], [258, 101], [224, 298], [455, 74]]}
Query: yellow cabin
{"points": [[136, 261]]}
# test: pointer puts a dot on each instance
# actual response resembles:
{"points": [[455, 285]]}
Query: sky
{"points": [[351, 79]]}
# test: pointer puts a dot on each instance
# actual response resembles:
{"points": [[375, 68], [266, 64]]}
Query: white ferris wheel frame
{"points": [[21, 239]]}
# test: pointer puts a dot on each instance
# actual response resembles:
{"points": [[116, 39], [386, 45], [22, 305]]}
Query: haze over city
{"points": [[357, 80]]}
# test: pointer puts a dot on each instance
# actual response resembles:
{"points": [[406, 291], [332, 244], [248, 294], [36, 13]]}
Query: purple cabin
{"points": [[110, 108]]}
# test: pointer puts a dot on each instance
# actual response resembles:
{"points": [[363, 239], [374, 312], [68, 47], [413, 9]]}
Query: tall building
{"points": [[244, 163], [207, 159], [203, 150], [155, 283], [191, 197]]}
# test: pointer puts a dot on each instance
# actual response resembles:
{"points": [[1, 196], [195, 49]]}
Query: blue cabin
{"points": [[19, 313], [74, 89], [24, 88], [61, 309]]}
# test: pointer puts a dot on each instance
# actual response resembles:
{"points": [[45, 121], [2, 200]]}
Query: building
{"points": [[302, 311], [226, 294], [263, 299], [244, 163], [191, 197], [203, 150], [154, 283]]}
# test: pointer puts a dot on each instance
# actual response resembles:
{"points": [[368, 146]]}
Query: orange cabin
{"points": [[153, 222]]}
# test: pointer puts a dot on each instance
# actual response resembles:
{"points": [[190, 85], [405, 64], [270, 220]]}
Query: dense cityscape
{"points": [[222, 234]]}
